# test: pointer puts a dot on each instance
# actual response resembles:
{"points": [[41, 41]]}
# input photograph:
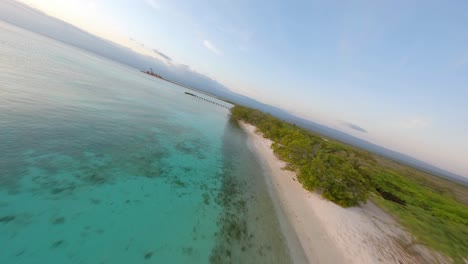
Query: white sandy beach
{"points": [[327, 232]]}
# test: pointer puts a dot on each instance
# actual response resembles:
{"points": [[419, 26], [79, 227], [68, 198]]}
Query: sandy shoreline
{"points": [[319, 231]]}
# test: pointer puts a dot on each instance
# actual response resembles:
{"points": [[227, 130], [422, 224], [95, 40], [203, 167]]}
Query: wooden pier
{"points": [[204, 99]]}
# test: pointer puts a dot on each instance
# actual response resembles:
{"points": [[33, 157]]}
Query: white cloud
{"points": [[241, 36], [211, 47], [92, 6], [153, 4], [416, 123], [462, 60]]}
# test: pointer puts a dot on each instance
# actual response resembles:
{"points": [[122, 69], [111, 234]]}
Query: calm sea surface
{"points": [[100, 163]]}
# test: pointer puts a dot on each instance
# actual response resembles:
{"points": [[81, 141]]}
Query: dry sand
{"points": [[319, 231]]}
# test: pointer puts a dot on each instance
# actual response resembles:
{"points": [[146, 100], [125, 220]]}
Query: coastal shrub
{"points": [[326, 167], [336, 179]]}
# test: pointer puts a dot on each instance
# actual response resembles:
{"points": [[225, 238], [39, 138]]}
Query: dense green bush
{"points": [[332, 169]]}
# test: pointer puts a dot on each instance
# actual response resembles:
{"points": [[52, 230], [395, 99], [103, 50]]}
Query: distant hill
{"points": [[31, 19]]}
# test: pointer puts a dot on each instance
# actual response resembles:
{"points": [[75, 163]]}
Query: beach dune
{"points": [[319, 231]]}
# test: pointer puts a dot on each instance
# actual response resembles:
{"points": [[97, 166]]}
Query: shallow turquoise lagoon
{"points": [[100, 163]]}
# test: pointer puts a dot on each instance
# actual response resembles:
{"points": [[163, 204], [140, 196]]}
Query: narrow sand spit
{"points": [[326, 232]]}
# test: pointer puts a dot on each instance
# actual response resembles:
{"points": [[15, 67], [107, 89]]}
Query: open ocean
{"points": [[100, 163]]}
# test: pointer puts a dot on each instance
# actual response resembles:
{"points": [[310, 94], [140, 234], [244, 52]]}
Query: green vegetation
{"points": [[435, 210]]}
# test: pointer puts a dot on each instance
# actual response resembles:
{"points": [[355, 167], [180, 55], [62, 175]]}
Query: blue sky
{"points": [[396, 69]]}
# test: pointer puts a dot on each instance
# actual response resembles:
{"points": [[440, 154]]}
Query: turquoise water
{"points": [[100, 163]]}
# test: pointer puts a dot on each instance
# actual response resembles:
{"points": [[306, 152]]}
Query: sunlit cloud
{"points": [[463, 60], [242, 36], [211, 47], [92, 5], [153, 4], [415, 123]]}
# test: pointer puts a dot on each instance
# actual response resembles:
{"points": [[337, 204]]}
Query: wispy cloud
{"points": [[92, 5], [162, 55], [353, 126], [413, 123], [241, 35], [153, 4], [211, 47], [462, 61]]}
